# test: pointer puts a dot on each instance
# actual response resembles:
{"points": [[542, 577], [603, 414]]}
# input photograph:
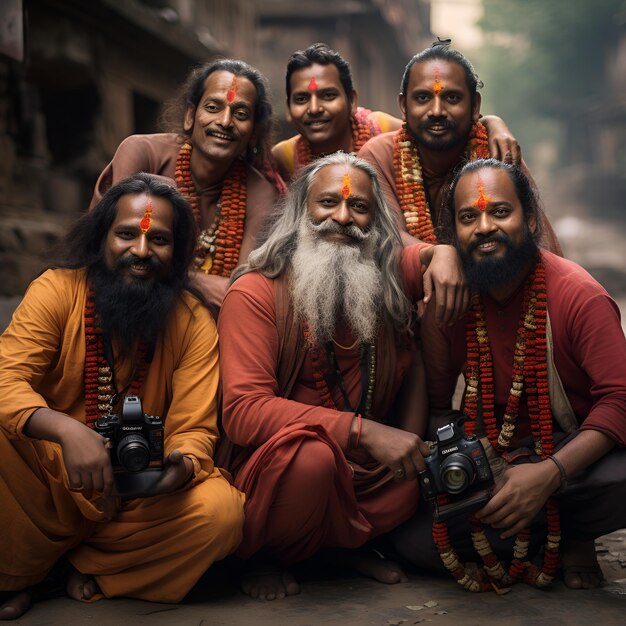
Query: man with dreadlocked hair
{"points": [[323, 106], [114, 316], [543, 353], [442, 130], [322, 397]]}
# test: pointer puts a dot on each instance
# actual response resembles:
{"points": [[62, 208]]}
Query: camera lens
{"points": [[133, 452], [457, 473]]}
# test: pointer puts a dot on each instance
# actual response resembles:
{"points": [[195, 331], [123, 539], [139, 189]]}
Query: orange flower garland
{"points": [[363, 129], [98, 378], [217, 251], [529, 371], [409, 179]]}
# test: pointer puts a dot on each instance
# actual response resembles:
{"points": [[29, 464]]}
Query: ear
{"points": [[476, 107], [402, 105], [354, 103], [532, 224], [190, 113]]}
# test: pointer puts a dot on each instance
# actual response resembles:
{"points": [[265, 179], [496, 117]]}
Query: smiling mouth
{"points": [[220, 136], [140, 270], [488, 246], [316, 123]]}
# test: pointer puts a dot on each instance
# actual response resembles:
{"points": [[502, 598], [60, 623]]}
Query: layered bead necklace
{"points": [[100, 393], [409, 180], [363, 129], [218, 246], [530, 373]]}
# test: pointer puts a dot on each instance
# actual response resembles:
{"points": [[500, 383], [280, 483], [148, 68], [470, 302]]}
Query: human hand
{"points": [[178, 471], [401, 451], [519, 495], [87, 460], [444, 276], [212, 288], [502, 144]]}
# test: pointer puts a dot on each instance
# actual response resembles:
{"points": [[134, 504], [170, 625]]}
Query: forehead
{"points": [[131, 209], [219, 82], [449, 73], [495, 183], [331, 179], [325, 76]]}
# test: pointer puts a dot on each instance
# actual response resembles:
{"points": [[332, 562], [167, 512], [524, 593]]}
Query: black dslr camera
{"points": [[136, 447], [459, 467]]}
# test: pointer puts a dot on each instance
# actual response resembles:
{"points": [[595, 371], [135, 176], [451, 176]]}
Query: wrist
{"points": [[356, 426], [559, 479]]}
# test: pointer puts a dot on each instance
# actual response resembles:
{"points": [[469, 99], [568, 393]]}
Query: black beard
{"points": [[494, 272], [131, 310], [439, 145]]}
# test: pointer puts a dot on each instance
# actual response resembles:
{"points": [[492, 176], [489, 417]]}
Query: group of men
{"points": [[332, 379]]}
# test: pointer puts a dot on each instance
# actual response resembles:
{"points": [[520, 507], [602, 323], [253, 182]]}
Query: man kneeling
{"points": [[113, 318]]}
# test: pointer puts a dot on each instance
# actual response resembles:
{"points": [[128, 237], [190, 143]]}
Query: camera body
{"points": [[136, 445], [459, 467]]}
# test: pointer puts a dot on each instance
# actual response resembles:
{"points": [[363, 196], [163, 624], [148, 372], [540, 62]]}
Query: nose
{"points": [[314, 105], [226, 119], [141, 247], [342, 214], [436, 107], [485, 224]]}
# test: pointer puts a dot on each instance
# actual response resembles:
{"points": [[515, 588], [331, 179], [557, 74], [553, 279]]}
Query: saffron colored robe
{"points": [[378, 151], [285, 151], [157, 154], [155, 548], [296, 470]]}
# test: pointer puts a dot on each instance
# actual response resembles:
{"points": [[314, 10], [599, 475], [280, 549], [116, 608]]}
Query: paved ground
{"points": [[356, 601]]}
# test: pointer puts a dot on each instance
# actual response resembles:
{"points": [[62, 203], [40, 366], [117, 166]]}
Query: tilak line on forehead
{"points": [[437, 86], [146, 220], [231, 94], [346, 187], [483, 200], [313, 85]]}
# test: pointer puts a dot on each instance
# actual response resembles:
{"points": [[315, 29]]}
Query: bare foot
{"points": [[82, 587], [580, 565], [14, 606], [264, 581], [371, 563]]}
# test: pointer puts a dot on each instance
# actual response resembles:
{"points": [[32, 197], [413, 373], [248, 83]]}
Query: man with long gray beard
{"points": [[113, 317], [543, 352], [323, 404]]}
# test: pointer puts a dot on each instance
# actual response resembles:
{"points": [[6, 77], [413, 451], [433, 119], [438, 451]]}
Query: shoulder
{"points": [[261, 193], [60, 281], [378, 148], [284, 153], [156, 143], [253, 285], [563, 273], [384, 121], [190, 317]]}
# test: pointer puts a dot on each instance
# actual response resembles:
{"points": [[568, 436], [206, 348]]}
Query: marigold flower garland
{"points": [[409, 179], [363, 129], [98, 377], [529, 371], [218, 247]]}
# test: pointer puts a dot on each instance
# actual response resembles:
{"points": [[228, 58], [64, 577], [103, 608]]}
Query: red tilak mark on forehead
{"points": [[346, 188], [437, 86], [313, 85], [483, 200], [146, 220], [231, 94]]}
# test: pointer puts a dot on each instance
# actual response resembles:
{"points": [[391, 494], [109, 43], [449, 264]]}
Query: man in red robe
{"points": [[543, 352], [217, 149], [323, 404]]}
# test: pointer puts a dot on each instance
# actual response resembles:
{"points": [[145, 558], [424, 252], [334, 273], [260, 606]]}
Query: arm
{"points": [[502, 144]]}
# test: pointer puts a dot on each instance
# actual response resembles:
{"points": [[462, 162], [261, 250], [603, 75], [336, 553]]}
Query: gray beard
{"points": [[333, 279]]}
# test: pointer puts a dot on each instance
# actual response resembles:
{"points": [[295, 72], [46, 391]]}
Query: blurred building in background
{"points": [[77, 77]]}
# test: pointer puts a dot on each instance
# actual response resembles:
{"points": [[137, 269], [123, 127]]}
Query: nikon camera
{"points": [[458, 466], [137, 447]]}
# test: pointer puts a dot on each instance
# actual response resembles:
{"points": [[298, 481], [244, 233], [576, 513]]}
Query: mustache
{"points": [[498, 237], [130, 259], [439, 121], [329, 226]]}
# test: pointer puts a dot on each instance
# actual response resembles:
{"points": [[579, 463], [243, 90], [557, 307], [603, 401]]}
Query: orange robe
{"points": [[155, 548], [285, 151], [296, 465]]}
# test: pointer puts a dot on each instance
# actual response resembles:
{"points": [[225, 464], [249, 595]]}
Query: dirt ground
{"points": [[340, 600]]}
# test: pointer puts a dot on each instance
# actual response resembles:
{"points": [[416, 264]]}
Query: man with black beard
{"points": [[114, 317], [322, 395], [442, 130], [542, 352]]}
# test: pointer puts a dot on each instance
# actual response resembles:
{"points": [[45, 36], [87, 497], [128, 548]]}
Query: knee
{"points": [[313, 468]]}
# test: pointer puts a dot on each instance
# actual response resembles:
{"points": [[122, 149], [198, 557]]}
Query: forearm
{"points": [[49, 425], [582, 451]]}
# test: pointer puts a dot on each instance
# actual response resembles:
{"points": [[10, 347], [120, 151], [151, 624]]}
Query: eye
{"points": [[421, 98], [466, 217], [329, 95], [160, 240], [242, 115], [125, 234], [299, 99], [360, 207], [501, 211], [328, 202], [453, 98], [212, 108]]}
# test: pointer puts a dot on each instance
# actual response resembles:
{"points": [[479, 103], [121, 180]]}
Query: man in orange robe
{"points": [[218, 152], [114, 316], [323, 403]]}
